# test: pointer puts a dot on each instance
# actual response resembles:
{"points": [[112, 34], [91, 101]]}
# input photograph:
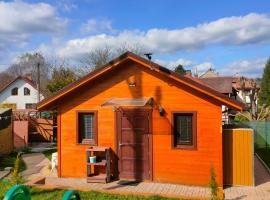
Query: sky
{"points": [[231, 36]]}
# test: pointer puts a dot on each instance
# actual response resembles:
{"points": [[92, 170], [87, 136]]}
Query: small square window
{"points": [[184, 130], [14, 91], [26, 91], [87, 127]]}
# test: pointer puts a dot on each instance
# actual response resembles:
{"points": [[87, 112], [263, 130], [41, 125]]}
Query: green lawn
{"points": [[38, 194], [48, 153], [9, 160]]}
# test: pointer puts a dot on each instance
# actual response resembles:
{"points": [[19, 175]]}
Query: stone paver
{"points": [[261, 191], [148, 188], [35, 162], [4, 174]]}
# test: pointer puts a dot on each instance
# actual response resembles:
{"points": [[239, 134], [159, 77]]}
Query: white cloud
{"points": [[66, 5], [249, 68], [97, 26], [20, 20], [174, 63], [237, 30], [202, 67]]}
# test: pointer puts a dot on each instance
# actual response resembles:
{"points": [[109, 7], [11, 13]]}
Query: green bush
{"points": [[213, 184], [23, 150]]}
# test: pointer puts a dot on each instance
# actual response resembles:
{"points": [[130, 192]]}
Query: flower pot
{"points": [[92, 159]]}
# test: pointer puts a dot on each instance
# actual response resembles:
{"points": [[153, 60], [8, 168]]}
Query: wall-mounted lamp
{"points": [[132, 84], [161, 110]]}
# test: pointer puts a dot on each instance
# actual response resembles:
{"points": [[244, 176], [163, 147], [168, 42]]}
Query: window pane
{"points": [[183, 129], [26, 91], [14, 91], [86, 126]]}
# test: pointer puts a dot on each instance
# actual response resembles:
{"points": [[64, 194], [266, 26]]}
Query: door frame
{"points": [[150, 145]]}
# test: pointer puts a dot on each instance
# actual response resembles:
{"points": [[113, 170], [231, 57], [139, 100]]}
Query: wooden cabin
{"points": [[160, 126]]}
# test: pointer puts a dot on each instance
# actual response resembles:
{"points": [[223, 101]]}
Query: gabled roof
{"points": [[222, 84], [50, 101], [24, 78]]}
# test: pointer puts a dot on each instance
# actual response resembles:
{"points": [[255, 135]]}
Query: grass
{"points": [[9, 160], [264, 155], [56, 194], [48, 153]]}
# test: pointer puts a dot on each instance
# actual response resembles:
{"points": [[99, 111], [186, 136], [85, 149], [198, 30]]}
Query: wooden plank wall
{"points": [[169, 164], [238, 155]]}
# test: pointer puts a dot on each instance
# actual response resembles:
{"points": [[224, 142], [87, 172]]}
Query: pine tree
{"points": [[180, 69], [264, 96]]}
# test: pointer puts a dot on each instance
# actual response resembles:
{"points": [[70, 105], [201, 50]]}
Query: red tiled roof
{"points": [[220, 84], [26, 79]]}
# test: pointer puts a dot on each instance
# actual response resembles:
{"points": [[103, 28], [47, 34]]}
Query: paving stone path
{"points": [[261, 191], [35, 162], [141, 188]]}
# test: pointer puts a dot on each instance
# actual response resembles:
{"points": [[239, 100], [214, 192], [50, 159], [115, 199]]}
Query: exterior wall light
{"points": [[132, 84], [161, 111]]}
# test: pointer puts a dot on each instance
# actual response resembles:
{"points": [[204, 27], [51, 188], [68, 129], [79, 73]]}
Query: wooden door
{"points": [[133, 144], [238, 157]]}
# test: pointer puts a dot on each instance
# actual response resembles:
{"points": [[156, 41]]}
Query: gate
{"points": [[238, 157]]}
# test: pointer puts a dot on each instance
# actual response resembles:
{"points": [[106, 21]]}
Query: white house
{"points": [[21, 93]]}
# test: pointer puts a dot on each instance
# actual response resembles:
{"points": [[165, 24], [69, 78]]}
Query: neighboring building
{"points": [[238, 88], [160, 126], [20, 93], [209, 73]]}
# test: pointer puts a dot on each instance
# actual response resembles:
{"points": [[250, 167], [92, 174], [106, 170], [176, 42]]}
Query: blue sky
{"points": [[230, 36]]}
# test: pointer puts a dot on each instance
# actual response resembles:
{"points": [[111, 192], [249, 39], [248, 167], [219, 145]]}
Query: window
{"points": [[30, 106], [14, 91], [26, 91], [87, 127], [184, 130]]}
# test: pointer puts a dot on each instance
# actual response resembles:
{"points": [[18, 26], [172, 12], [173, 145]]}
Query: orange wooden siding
{"points": [[169, 165], [238, 157]]}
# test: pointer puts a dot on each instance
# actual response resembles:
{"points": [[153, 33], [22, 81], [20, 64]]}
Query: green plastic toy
{"points": [[18, 192], [21, 192], [71, 195]]}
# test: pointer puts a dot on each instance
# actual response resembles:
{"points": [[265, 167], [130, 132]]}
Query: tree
{"points": [[100, 56], [61, 77], [5, 79], [264, 96], [180, 70], [27, 64]]}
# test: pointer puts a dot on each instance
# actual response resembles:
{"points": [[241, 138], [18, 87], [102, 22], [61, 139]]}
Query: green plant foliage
{"points": [[57, 194], [240, 118], [9, 161], [264, 95], [61, 77], [213, 184], [16, 177], [23, 150], [180, 70]]}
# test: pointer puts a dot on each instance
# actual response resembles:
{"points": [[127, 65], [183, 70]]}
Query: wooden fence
{"points": [[6, 138], [238, 157]]}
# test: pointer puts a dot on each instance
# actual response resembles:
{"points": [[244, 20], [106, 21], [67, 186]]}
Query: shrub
{"points": [[23, 150], [213, 184], [16, 177]]}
